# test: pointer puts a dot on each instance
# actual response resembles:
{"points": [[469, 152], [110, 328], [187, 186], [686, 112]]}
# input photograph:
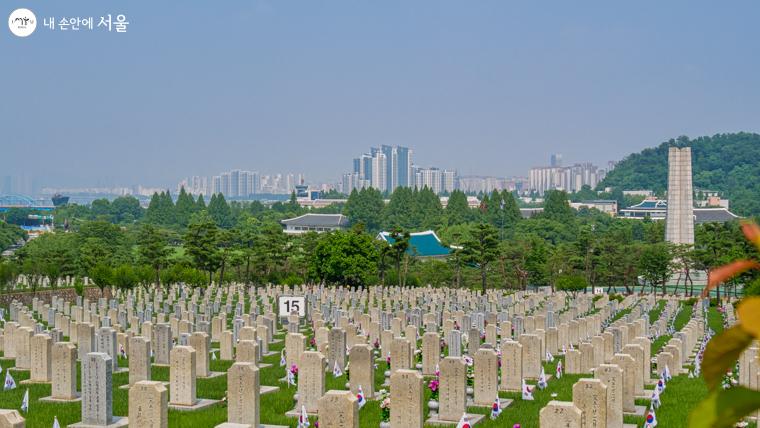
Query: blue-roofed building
{"points": [[421, 244]]}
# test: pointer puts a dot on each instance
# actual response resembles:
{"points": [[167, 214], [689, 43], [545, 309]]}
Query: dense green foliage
{"points": [[492, 245], [9, 235], [726, 163]]}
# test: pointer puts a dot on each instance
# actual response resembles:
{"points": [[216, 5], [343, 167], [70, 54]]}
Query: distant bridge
{"points": [[22, 201]]}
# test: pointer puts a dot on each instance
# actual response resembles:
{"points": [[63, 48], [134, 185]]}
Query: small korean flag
{"points": [[282, 358], [527, 392], [337, 372], [464, 422], [542, 379], [10, 383], [303, 420], [559, 370], [655, 404], [55, 422], [360, 398], [496, 408], [25, 402], [651, 420], [549, 357]]}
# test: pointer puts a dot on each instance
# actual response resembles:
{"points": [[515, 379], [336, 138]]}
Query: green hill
{"points": [[728, 163]]}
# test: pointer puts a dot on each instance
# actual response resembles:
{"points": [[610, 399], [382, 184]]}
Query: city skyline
{"points": [[478, 88], [241, 183]]}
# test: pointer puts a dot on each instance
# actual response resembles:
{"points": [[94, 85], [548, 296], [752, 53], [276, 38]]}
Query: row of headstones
{"points": [[602, 401]]}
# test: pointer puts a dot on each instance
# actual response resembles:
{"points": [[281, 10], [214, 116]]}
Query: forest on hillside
{"points": [[727, 163]]}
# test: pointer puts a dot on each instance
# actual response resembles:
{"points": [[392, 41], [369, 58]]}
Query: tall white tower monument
{"points": [[679, 226]]}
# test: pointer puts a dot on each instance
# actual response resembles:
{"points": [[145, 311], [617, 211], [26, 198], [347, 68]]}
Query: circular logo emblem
{"points": [[22, 22]]}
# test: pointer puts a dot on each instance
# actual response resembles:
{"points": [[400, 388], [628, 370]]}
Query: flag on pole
{"points": [[360, 398], [666, 373], [213, 356], [572, 348], [291, 378], [337, 372], [527, 392], [549, 357], [122, 352], [437, 370], [25, 402], [303, 420], [660, 385], [496, 408], [655, 404], [55, 422], [10, 383], [559, 369], [464, 422], [564, 349], [282, 358], [651, 420], [542, 379]]}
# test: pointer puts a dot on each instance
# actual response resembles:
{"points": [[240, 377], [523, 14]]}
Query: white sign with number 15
{"points": [[290, 304]]}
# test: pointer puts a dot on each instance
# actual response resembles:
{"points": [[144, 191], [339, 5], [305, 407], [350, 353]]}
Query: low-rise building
{"points": [[315, 223], [657, 209]]}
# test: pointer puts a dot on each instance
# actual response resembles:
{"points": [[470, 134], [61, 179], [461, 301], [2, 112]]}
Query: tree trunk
{"points": [[248, 269], [483, 277]]}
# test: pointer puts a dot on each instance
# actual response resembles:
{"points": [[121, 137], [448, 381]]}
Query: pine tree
{"points": [[219, 211], [152, 215], [457, 209], [185, 207], [557, 207]]}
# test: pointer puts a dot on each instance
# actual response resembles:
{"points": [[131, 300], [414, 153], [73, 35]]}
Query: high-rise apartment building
{"points": [[570, 178], [379, 171], [387, 167]]}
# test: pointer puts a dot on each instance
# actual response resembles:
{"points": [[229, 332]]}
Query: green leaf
{"points": [[749, 315], [724, 408], [721, 354]]}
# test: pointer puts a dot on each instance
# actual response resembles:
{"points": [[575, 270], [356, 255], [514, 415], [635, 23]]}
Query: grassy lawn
{"points": [[654, 314], [715, 319], [623, 312]]}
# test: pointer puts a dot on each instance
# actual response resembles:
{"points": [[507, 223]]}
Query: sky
{"points": [[483, 87]]}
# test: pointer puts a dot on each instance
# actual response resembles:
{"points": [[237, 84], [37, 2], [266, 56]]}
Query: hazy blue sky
{"points": [[486, 87]]}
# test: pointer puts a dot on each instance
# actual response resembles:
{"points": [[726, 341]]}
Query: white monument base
{"points": [[60, 400], [115, 423], [266, 389], [640, 411], [202, 403], [233, 425], [472, 418], [503, 402]]}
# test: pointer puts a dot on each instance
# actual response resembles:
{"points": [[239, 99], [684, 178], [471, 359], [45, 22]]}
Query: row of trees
{"points": [[492, 246]]}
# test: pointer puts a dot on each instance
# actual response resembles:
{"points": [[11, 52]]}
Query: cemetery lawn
{"points": [[654, 314], [680, 397], [715, 319]]}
